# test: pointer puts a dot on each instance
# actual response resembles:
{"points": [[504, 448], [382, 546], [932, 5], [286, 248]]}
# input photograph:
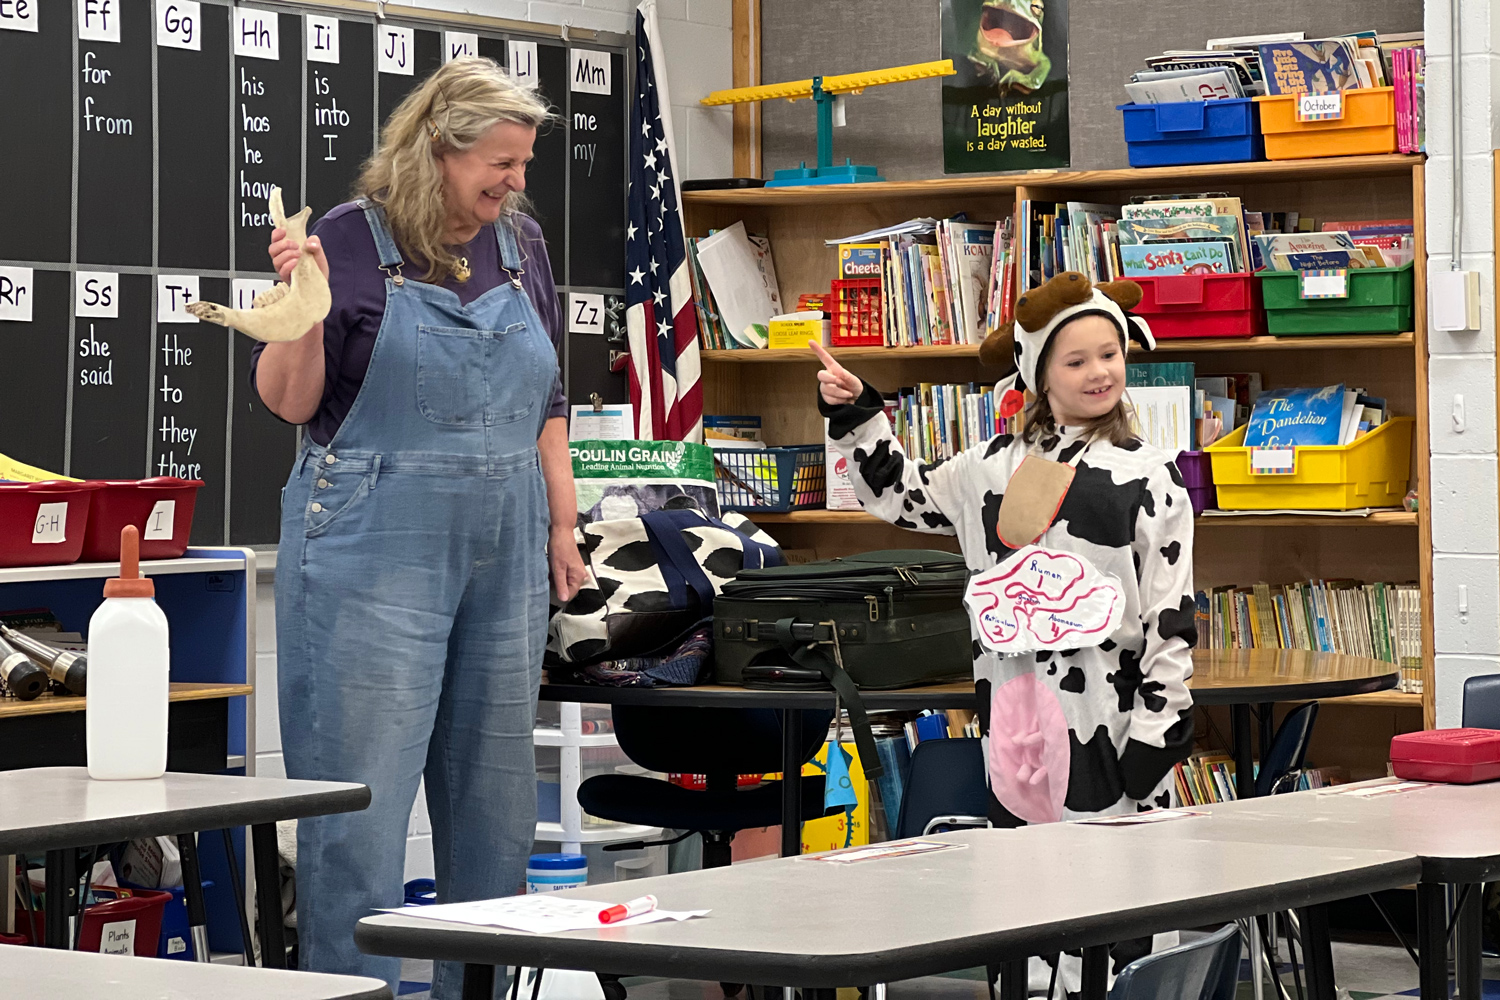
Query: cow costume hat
{"points": [[1043, 311]]}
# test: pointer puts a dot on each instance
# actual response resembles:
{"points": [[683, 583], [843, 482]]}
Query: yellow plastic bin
{"points": [[1371, 472], [1368, 126]]}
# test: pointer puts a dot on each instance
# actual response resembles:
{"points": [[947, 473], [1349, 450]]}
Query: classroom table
{"points": [[999, 897], [1238, 678], [44, 974], [60, 809], [1453, 830]]}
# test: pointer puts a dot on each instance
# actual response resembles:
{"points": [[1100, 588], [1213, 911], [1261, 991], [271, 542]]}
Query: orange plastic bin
{"points": [[1368, 126]]}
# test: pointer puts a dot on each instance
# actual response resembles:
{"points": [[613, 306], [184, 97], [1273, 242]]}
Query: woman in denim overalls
{"points": [[411, 579]]}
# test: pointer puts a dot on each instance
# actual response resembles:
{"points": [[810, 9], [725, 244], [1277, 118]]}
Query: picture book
{"points": [[1277, 245], [859, 260], [1141, 374], [1163, 416], [1320, 260], [1188, 206], [1155, 259], [1284, 418], [1135, 232], [1178, 86], [1318, 66]]}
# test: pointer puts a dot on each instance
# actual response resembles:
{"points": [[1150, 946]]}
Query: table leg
{"points": [[791, 782], [1432, 941], [268, 896], [1095, 985], [8, 886], [247, 940], [479, 982], [1469, 945], [1244, 753], [1014, 979], [192, 891], [62, 897], [1317, 952]]}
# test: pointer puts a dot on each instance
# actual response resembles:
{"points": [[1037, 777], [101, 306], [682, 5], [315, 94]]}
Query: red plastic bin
{"points": [[1454, 756], [1201, 305], [25, 540], [119, 502], [854, 306], [136, 912]]}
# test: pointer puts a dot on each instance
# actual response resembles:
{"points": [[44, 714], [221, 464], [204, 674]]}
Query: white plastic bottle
{"points": [[129, 660]]}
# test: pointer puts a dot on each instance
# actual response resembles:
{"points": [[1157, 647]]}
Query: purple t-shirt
{"points": [[358, 287]]}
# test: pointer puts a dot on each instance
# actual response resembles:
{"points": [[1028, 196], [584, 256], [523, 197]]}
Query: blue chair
{"points": [[1205, 969], [1288, 751], [945, 781], [1482, 702], [720, 743]]}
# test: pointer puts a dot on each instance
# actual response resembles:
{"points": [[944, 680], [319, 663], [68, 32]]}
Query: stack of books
{"points": [[1284, 63], [1207, 777], [942, 281], [1379, 621], [937, 421]]}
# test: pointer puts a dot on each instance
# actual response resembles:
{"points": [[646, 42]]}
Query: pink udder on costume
{"points": [[1029, 752]]}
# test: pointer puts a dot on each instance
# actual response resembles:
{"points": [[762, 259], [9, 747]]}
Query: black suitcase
{"points": [[875, 620]]}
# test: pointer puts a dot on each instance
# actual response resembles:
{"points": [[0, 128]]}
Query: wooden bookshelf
{"points": [[1350, 342], [1389, 545], [1380, 518]]}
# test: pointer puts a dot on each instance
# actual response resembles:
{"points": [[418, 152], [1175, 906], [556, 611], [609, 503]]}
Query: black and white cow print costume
{"points": [[1126, 701]]}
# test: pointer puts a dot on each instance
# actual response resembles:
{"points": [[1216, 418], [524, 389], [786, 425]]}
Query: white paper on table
{"points": [[1389, 786], [1141, 819], [542, 913], [616, 422], [732, 265]]}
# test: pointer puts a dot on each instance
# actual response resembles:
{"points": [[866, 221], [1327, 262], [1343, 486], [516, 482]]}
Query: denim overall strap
{"points": [[511, 257], [385, 243]]}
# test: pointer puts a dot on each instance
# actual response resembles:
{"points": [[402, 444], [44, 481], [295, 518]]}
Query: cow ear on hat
{"points": [[1125, 294], [1036, 308], [998, 349], [1140, 331]]}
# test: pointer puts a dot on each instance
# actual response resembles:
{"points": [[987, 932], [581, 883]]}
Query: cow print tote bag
{"points": [[651, 579]]}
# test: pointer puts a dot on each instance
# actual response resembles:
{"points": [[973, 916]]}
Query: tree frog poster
{"points": [[1007, 106]]}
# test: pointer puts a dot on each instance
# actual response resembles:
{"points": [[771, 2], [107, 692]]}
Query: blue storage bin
{"points": [[1167, 135], [176, 941]]}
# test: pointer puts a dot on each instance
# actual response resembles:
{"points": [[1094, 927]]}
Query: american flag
{"points": [[663, 332]]}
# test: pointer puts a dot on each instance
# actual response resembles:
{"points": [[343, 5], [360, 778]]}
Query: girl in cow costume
{"points": [[1090, 724]]}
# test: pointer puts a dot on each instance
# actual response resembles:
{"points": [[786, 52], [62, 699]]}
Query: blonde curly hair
{"points": [[448, 112]]}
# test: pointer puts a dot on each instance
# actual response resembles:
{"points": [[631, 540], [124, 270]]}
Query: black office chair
{"points": [[1482, 702], [1281, 764], [945, 788], [721, 743]]}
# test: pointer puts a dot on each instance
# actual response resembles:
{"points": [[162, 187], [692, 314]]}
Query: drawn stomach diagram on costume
{"points": [[1037, 599]]}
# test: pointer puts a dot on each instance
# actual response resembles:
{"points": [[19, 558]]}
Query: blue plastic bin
{"points": [[1166, 135], [175, 941]]}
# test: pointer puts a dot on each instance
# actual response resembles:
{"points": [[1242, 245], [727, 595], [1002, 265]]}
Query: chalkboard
{"points": [[38, 411], [171, 122], [405, 57], [596, 202], [193, 147], [340, 111], [39, 65], [546, 184], [111, 388], [267, 127]]}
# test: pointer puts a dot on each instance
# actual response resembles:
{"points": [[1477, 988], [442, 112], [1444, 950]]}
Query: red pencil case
{"points": [[1454, 756]]}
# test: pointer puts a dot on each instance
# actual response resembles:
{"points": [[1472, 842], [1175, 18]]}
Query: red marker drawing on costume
{"points": [[1040, 599]]}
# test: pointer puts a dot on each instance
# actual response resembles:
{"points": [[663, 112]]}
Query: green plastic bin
{"points": [[1380, 301]]}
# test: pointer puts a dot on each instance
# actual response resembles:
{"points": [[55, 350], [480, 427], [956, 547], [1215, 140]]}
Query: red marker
{"points": [[623, 911]]}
